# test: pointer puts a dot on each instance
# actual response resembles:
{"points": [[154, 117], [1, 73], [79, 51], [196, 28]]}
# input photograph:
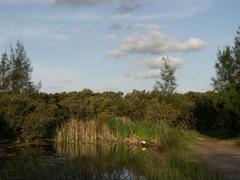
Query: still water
{"points": [[49, 160], [54, 161]]}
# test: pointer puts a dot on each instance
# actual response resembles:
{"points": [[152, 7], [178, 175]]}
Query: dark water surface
{"points": [[54, 161], [49, 160]]}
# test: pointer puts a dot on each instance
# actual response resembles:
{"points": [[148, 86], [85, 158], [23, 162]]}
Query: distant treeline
{"points": [[38, 115]]}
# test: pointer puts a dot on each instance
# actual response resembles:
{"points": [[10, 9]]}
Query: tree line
{"points": [[15, 71], [26, 113]]}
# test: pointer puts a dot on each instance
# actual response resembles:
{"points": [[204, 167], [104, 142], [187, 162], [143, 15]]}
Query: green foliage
{"points": [[167, 85], [37, 115], [5, 131], [119, 128], [25, 117], [15, 71], [20, 69], [135, 104], [147, 131], [4, 73], [225, 70], [214, 111], [123, 129], [161, 112], [227, 83], [228, 67]]}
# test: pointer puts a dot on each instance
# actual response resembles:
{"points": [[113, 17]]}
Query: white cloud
{"points": [[103, 87], [156, 63], [129, 6], [81, 2], [96, 17], [56, 79], [146, 75], [26, 1], [76, 16], [167, 8], [151, 27], [52, 35], [123, 6], [60, 2], [66, 16], [110, 37], [154, 43], [51, 44]]}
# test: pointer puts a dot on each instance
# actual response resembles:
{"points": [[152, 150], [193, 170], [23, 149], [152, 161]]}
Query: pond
{"points": [[50, 160]]}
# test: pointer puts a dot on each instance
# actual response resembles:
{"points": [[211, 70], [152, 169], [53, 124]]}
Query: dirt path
{"points": [[222, 157]]}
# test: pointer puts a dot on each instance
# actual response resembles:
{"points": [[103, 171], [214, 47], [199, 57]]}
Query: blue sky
{"points": [[118, 45]]}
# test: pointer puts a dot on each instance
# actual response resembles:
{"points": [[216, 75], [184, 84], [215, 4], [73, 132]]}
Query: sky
{"points": [[119, 45]]}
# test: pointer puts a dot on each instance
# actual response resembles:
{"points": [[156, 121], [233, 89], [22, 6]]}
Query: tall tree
{"points": [[227, 81], [20, 69], [225, 70], [4, 73], [168, 84], [236, 51], [228, 66]]}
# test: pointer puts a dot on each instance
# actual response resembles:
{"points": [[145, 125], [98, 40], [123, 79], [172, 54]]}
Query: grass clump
{"points": [[126, 129], [123, 130]]}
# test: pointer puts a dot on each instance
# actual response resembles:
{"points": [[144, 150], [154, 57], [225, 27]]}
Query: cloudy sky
{"points": [[119, 45]]}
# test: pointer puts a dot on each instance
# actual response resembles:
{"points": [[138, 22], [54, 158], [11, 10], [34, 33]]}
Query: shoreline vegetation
{"points": [[121, 131], [104, 162], [167, 153]]}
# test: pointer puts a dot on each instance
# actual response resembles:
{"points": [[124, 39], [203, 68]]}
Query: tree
{"points": [[227, 81], [20, 70], [4, 73], [228, 66], [225, 70], [167, 85], [236, 51]]}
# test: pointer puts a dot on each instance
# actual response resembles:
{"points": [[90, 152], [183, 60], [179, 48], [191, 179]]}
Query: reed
{"points": [[116, 130], [76, 131]]}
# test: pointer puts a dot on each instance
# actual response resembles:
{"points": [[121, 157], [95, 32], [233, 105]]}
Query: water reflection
{"points": [[49, 160]]}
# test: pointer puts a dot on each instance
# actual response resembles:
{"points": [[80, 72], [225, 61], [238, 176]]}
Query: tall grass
{"points": [[76, 131], [126, 129], [122, 131], [153, 133], [112, 129]]}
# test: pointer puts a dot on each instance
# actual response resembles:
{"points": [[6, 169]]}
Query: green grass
{"points": [[126, 129], [152, 132]]}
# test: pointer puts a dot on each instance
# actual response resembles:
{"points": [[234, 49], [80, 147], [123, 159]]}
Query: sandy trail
{"points": [[222, 157]]}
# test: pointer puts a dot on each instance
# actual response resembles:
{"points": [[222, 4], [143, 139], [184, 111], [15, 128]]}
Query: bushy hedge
{"points": [[38, 115], [29, 117]]}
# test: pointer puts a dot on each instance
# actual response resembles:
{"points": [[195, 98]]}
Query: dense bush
{"points": [[28, 117], [38, 115]]}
